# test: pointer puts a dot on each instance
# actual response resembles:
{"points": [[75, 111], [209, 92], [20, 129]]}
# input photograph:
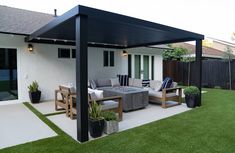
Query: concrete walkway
{"points": [[130, 120], [19, 125], [46, 107]]}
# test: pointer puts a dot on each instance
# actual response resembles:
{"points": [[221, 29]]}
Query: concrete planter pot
{"points": [[110, 127]]}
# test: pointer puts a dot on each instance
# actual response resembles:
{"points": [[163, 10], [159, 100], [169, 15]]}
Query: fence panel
{"points": [[214, 72]]}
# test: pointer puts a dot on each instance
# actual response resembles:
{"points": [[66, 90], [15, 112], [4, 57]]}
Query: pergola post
{"points": [[198, 73], [81, 78]]}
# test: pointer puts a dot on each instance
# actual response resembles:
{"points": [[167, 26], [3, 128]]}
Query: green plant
{"points": [[191, 90], [33, 87], [175, 53], [95, 111], [109, 116]]}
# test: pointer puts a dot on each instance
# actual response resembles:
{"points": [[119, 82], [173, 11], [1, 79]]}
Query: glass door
{"points": [[146, 67], [137, 66], [8, 74]]}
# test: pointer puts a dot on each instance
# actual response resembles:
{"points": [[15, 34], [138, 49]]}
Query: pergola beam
{"points": [[81, 78]]}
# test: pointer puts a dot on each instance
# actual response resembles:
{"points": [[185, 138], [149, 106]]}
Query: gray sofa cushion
{"points": [[103, 82], [109, 104]]}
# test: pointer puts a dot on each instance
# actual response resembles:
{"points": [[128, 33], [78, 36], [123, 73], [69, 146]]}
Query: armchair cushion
{"points": [[159, 94], [109, 104]]}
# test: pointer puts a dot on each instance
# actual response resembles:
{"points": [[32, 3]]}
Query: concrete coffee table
{"points": [[132, 97]]}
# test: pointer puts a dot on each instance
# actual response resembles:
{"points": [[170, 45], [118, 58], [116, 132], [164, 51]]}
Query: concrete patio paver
{"points": [[19, 125], [130, 120]]}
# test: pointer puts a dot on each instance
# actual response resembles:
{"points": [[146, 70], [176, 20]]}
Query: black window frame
{"points": [[73, 53], [62, 53], [105, 58], [111, 58]]}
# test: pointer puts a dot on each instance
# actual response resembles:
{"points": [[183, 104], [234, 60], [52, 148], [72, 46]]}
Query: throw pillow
{"points": [[93, 84], [166, 83], [115, 82]]}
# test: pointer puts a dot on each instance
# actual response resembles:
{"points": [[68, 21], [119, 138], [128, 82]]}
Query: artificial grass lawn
{"points": [[208, 129]]}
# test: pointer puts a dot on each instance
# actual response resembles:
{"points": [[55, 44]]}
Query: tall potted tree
{"points": [[191, 96], [110, 122], [96, 121], [34, 92]]}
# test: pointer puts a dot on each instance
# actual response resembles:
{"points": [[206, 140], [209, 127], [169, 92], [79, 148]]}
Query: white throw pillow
{"points": [[115, 82], [98, 93]]}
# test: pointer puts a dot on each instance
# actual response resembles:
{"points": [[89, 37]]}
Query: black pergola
{"points": [[83, 26]]}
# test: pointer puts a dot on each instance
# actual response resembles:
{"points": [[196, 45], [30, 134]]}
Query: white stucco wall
{"points": [[44, 66]]}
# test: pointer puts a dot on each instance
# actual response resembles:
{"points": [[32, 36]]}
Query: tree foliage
{"points": [[176, 53]]}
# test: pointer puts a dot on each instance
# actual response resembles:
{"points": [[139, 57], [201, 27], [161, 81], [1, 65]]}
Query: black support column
{"points": [[198, 73], [81, 78]]}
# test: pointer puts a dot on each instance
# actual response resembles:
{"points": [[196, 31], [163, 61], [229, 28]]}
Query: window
{"points": [[73, 53], [111, 54], [108, 57], [63, 53]]}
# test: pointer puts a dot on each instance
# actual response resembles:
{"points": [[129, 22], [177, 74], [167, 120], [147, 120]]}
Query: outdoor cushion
{"points": [[123, 79], [98, 93], [115, 82], [103, 82], [159, 94], [70, 86], [131, 80], [137, 83], [166, 83], [108, 104], [155, 85], [174, 85], [93, 84], [92, 95]]}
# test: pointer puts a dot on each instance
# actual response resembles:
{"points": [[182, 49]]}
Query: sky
{"points": [[212, 18]]}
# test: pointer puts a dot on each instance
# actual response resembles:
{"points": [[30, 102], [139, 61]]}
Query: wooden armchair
{"points": [[65, 93], [165, 95], [107, 104]]}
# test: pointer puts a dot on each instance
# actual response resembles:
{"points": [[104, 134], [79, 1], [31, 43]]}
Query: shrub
{"points": [[109, 116], [95, 111], [191, 90], [33, 87]]}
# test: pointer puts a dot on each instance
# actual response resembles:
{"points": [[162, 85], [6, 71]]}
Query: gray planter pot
{"points": [[110, 127]]}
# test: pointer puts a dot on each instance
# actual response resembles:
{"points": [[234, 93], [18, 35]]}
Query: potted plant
{"points": [[96, 121], [110, 122], [34, 92], [191, 96]]}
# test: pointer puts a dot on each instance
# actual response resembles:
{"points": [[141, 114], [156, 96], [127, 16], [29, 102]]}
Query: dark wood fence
{"points": [[214, 72]]}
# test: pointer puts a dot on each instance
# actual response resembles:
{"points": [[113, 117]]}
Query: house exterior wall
{"points": [[44, 66]]}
